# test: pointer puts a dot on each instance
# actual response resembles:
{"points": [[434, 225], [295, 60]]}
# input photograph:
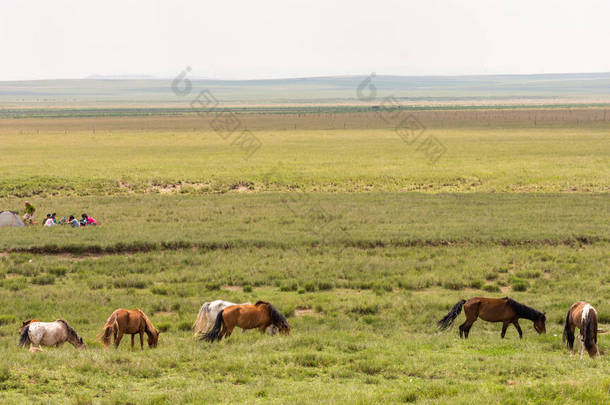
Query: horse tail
{"points": [[202, 318], [110, 328], [568, 335], [448, 319], [590, 329], [24, 338], [215, 333]]}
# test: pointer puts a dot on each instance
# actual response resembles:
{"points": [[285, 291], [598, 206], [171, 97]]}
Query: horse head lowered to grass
{"points": [[210, 310], [505, 310], [132, 322], [247, 316], [56, 333], [583, 316]]}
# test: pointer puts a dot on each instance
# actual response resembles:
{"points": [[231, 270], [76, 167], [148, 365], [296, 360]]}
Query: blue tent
{"points": [[10, 219]]}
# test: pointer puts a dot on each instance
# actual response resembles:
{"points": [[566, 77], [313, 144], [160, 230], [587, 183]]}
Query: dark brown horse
{"points": [[247, 316], [583, 316], [131, 322], [504, 310]]}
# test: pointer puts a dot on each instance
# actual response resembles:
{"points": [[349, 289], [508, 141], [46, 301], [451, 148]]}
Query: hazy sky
{"points": [[229, 39]]}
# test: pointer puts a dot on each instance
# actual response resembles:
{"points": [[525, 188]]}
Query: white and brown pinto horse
{"points": [[56, 333], [210, 310], [583, 316]]}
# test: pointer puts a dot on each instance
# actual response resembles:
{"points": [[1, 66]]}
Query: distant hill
{"points": [[480, 89]]}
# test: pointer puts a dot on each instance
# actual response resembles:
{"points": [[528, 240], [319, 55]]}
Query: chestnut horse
{"points": [[583, 316], [504, 310], [247, 316], [49, 334], [131, 322], [208, 313]]}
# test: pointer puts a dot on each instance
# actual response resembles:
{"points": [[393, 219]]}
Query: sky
{"points": [[232, 39]]}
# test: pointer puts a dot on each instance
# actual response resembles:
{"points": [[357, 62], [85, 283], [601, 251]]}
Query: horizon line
{"points": [[135, 77]]}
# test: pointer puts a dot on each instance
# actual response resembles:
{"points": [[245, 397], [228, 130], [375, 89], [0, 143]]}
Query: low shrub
{"points": [[184, 326], [520, 285], [7, 319], [159, 290], [44, 279], [289, 286], [453, 285], [165, 326], [130, 283], [491, 288]]}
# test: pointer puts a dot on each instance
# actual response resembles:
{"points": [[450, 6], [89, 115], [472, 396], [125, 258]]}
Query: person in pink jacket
{"points": [[89, 220]]}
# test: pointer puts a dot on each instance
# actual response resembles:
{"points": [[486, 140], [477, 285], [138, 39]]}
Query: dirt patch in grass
{"points": [[164, 313], [231, 287], [173, 188], [305, 312]]}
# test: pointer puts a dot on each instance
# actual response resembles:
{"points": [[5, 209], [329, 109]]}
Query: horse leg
{"points": [[117, 341], [228, 331], [141, 342], [581, 344], [572, 329], [132, 337], [504, 326], [516, 323], [465, 328], [34, 349], [472, 313]]}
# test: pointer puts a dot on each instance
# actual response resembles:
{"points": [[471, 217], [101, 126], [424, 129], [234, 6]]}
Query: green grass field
{"points": [[352, 233]]}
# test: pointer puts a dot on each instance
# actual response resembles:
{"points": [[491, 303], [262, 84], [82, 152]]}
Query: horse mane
{"points": [[71, 331], [149, 325], [523, 311], [277, 319], [590, 328]]}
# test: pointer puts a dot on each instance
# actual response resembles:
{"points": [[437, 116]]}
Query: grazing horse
{"points": [[504, 310], [246, 316], [131, 322], [26, 323], [208, 313], [583, 316], [49, 334]]}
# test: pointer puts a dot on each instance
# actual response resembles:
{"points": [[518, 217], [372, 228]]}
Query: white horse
{"points": [[49, 334], [210, 310]]}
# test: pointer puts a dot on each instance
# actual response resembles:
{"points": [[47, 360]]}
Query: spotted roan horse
{"points": [[56, 333], [505, 310]]}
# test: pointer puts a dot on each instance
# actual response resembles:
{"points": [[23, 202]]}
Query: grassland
{"points": [[486, 151], [348, 230]]}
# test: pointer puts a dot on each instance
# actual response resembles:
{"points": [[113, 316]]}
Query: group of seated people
{"points": [[86, 220]]}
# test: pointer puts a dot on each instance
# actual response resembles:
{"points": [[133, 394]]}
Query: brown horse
{"points": [[504, 310], [247, 316], [26, 323], [583, 316], [131, 322]]}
